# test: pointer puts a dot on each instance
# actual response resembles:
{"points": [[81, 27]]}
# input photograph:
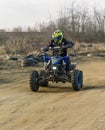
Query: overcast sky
{"points": [[27, 12]]}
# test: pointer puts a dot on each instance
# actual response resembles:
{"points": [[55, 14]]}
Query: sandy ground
{"points": [[57, 107]]}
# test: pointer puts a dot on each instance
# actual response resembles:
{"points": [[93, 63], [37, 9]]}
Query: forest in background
{"points": [[78, 23]]}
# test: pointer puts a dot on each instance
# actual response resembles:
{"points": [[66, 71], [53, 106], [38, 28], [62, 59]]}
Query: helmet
{"points": [[57, 36]]}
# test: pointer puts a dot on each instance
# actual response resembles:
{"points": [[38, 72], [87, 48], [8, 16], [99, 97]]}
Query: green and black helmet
{"points": [[57, 36]]}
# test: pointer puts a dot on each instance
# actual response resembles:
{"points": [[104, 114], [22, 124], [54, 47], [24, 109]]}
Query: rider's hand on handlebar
{"points": [[63, 47], [44, 49]]}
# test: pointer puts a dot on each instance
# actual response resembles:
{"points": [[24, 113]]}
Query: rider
{"points": [[59, 40]]}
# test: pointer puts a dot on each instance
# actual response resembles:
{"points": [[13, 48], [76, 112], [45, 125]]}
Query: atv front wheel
{"points": [[77, 80], [34, 83], [42, 74]]}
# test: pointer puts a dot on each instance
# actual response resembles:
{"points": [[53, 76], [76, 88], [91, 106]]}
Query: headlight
{"points": [[54, 67]]}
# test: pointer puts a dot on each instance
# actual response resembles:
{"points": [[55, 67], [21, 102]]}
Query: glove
{"points": [[44, 49], [64, 46]]}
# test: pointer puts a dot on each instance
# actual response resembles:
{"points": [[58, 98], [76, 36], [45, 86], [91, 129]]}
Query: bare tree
{"points": [[17, 29]]}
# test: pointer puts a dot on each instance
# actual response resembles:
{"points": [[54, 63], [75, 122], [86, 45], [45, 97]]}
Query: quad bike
{"points": [[55, 71]]}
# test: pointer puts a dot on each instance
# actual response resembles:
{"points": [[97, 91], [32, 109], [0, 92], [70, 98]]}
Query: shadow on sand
{"points": [[96, 87], [60, 89], [55, 89]]}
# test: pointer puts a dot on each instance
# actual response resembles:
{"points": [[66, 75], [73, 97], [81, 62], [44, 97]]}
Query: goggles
{"points": [[56, 39]]}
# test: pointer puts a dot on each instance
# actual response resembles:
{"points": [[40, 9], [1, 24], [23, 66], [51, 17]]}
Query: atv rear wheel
{"points": [[34, 83], [77, 80]]}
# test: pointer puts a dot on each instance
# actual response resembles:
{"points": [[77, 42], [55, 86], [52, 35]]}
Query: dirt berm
{"points": [[57, 107]]}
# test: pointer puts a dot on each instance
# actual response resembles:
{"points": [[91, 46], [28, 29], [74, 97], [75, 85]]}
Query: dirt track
{"points": [[54, 108]]}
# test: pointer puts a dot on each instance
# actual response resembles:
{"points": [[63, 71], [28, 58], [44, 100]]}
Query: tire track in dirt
{"points": [[57, 107]]}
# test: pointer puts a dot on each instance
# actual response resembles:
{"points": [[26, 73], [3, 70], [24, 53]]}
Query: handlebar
{"points": [[54, 48]]}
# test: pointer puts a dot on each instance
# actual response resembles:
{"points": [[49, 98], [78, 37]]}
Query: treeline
{"points": [[79, 23]]}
